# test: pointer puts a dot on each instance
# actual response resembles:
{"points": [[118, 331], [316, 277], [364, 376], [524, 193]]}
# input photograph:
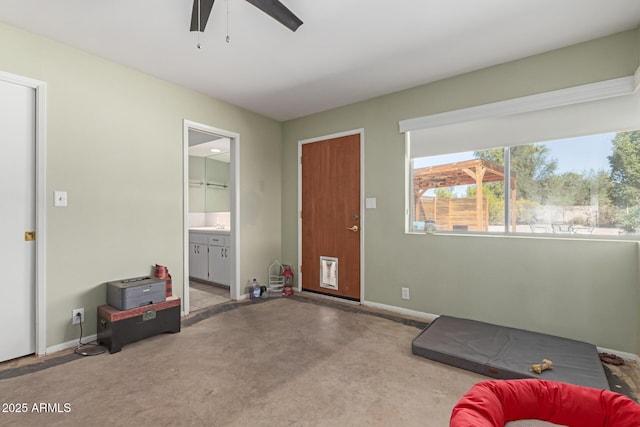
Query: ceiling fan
{"points": [[275, 9]]}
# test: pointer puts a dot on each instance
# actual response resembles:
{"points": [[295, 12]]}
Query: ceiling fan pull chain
{"points": [[199, 46], [228, 38]]}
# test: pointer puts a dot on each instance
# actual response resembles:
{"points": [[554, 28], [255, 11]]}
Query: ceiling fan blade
{"points": [[279, 12], [205, 11]]}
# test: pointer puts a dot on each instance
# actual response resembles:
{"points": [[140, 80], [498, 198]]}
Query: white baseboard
{"points": [[626, 356], [405, 311], [70, 344]]}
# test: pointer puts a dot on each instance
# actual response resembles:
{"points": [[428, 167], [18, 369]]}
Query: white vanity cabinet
{"points": [[219, 266], [199, 256], [209, 256]]}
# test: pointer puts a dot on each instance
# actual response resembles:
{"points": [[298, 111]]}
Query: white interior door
{"points": [[17, 216]]}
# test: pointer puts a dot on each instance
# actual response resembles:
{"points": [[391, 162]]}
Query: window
{"points": [[583, 185], [564, 162]]}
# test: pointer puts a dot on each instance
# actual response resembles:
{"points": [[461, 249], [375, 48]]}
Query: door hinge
{"points": [[29, 236]]}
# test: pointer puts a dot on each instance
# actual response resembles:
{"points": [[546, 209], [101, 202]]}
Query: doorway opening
{"points": [[211, 226]]}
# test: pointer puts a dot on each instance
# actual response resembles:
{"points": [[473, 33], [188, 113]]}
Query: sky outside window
{"points": [[578, 155], [581, 154]]}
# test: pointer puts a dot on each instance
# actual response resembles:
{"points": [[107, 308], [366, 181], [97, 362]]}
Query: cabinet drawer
{"points": [[218, 240], [202, 238]]}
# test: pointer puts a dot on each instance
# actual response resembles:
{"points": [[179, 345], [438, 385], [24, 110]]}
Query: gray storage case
{"points": [[135, 292]]}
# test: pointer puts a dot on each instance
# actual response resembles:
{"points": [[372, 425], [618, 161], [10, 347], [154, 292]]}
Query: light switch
{"points": [[60, 198], [370, 203]]}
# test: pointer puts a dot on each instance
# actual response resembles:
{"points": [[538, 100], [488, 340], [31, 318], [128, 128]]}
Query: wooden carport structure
{"points": [[475, 171]]}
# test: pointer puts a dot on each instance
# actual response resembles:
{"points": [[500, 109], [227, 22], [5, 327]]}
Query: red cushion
{"points": [[494, 403]]}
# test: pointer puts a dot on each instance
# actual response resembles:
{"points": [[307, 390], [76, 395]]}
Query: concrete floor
{"points": [[286, 361], [203, 295]]}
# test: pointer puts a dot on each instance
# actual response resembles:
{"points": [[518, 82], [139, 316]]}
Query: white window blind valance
{"points": [[609, 106]]}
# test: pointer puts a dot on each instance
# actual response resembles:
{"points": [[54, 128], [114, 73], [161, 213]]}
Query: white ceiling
{"points": [[346, 50], [201, 144]]}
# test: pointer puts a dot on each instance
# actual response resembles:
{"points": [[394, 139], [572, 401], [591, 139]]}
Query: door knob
{"points": [[354, 228]]}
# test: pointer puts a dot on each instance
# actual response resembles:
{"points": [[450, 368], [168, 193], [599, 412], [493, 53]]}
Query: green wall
{"points": [[581, 289], [114, 143]]}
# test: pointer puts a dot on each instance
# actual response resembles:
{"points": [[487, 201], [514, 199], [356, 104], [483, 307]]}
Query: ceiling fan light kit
{"points": [[202, 10]]}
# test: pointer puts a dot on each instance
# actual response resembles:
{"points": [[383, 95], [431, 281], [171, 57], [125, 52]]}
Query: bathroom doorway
{"points": [[210, 216]]}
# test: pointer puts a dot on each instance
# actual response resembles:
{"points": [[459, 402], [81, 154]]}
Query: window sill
{"points": [[546, 236]]}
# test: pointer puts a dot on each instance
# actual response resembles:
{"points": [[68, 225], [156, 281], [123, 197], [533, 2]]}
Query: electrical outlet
{"points": [[77, 316], [405, 293]]}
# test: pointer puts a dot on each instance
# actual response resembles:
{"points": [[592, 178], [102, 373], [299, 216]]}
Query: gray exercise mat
{"points": [[508, 353]]}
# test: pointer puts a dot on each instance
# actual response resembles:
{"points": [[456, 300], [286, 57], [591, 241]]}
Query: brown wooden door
{"points": [[330, 211]]}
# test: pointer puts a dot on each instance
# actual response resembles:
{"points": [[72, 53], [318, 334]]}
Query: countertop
{"points": [[210, 230]]}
